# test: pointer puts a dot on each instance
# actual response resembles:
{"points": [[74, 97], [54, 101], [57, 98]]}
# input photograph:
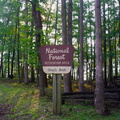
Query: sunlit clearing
{"points": [[15, 84]]}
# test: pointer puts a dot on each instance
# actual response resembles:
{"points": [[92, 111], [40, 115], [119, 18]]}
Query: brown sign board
{"points": [[57, 58]]}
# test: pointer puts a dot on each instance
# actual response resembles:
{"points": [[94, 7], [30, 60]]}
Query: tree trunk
{"points": [[119, 23], [67, 77], [64, 30], [38, 27], [18, 43], [91, 62], [12, 61], [81, 71], [8, 63], [104, 38], [56, 23], [22, 72], [64, 39], [115, 46], [99, 90], [32, 80], [15, 38], [26, 81], [18, 58], [94, 71], [110, 68], [86, 58], [1, 67]]}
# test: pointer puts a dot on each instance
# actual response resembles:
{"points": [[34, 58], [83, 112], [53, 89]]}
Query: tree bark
{"points": [[15, 38], [13, 57], [67, 40], [18, 57], [110, 67], [81, 71], [26, 81], [56, 23], [2, 67], [18, 46], [38, 27], [99, 90], [119, 23], [104, 38], [32, 79], [8, 63], [64, 30]]}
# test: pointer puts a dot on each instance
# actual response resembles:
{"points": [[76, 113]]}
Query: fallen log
{"points": [[89, 96]]}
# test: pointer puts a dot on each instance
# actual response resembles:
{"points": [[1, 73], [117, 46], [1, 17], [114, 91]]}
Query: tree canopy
{"points": [[20, 26]]}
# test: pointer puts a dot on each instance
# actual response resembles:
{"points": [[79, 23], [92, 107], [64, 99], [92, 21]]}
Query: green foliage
{"points": [[43, 1], [16, 35]]}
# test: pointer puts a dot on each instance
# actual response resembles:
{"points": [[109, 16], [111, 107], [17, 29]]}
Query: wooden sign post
{"points": [[57, 59], [56, 94]]}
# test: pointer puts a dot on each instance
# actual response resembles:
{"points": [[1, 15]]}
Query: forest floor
{"points": [[4, 111], [22, 102]]}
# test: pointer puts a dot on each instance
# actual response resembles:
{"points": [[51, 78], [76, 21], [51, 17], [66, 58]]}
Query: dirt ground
{"points": [[4, 111]]}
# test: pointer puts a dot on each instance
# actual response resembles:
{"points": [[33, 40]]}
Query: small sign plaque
{"points": [[57, 58]]}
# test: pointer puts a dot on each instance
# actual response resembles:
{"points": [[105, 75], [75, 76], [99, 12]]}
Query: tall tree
{"points": [[56, 22], [110, 74], [39, 39], [26, 81], [81, 71], [67, 40], [67, 77], [64, 39], [1, 61], [119, 22], [99, 90], [15, 39], [64, 30], [104, 38]]}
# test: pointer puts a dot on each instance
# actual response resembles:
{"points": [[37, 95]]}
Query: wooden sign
{"points": [[57, 58]]}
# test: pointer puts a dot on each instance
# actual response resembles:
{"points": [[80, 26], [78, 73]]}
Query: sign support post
{"points": [[56, 94]]}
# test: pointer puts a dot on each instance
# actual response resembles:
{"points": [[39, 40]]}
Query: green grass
{"points": [[26, 105]]}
